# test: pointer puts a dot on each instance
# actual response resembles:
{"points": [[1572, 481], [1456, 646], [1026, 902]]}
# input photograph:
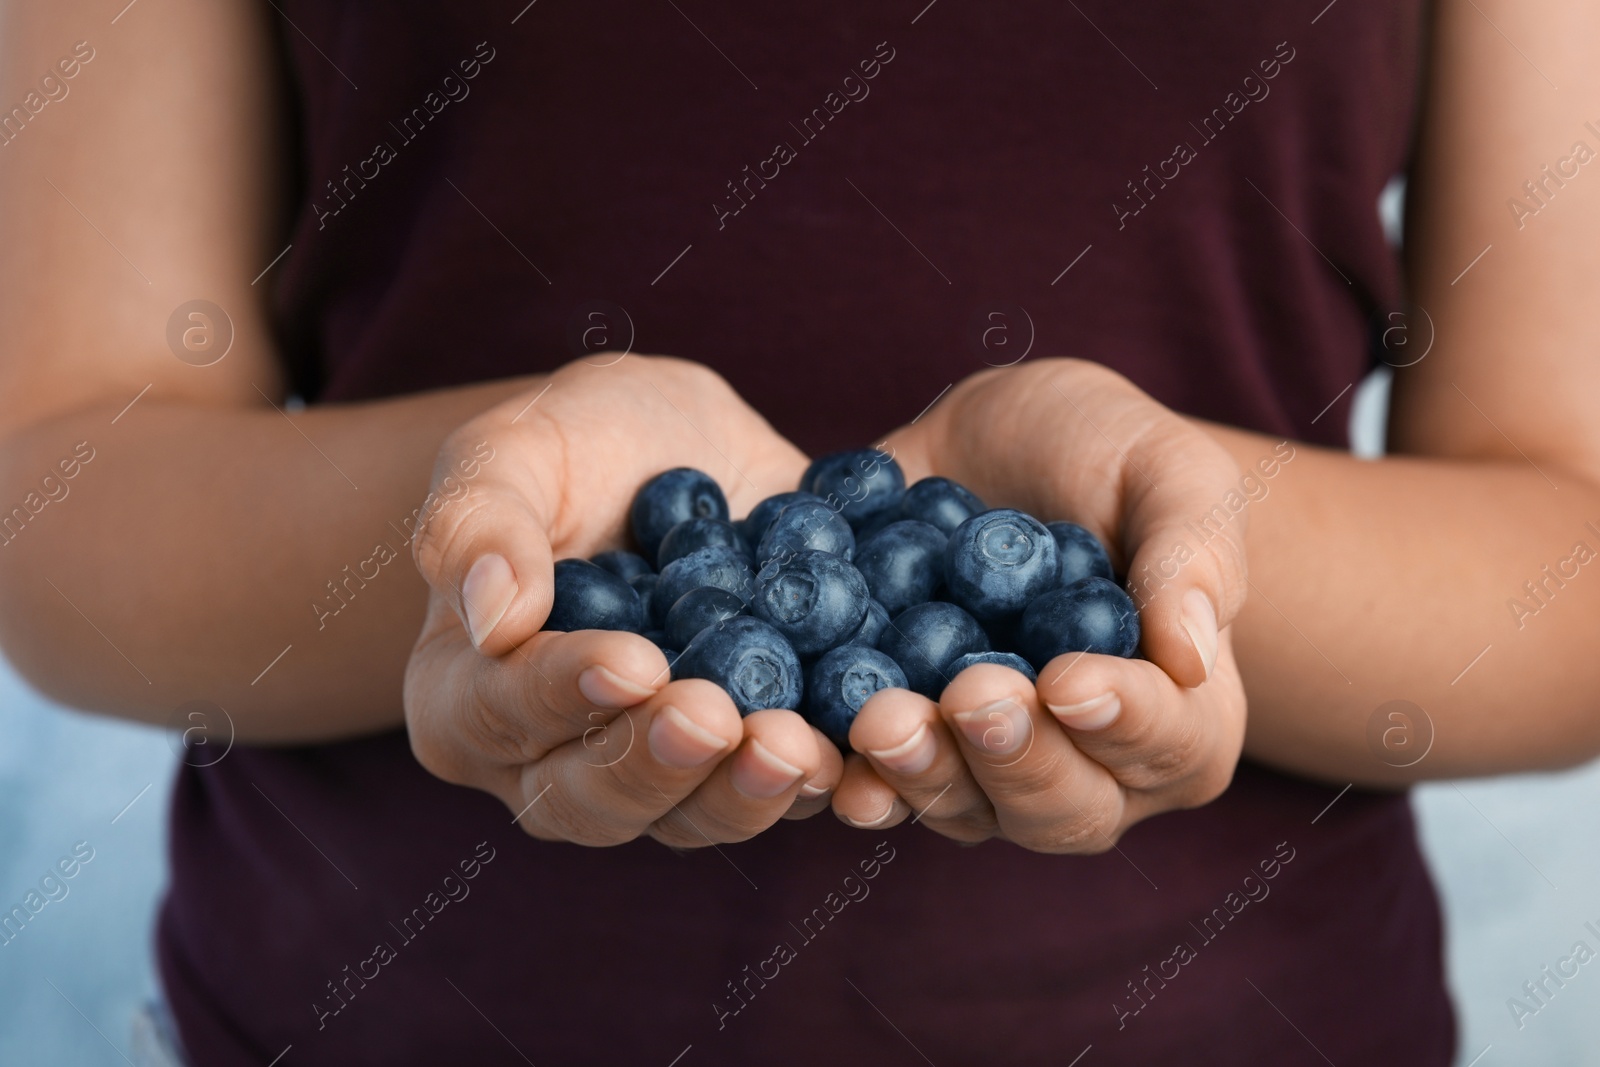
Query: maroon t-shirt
{"points": [[830, 204]]}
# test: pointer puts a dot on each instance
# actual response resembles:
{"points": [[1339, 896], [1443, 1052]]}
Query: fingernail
{"points": [[1094, 714], [999, 728], [760, 775], [605, 689], [875, 823], [1199, 618], [811, 792], [676, 740], [488, 591], [913, 756]]}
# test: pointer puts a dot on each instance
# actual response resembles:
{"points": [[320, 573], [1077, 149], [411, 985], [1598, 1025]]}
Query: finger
{"points": [[865, 801], [557, 686], [610, 785], [482, 544], [816, 794], [913, 751], [1047, 795], [1149, 732], [749, 790], [1185, 512]]}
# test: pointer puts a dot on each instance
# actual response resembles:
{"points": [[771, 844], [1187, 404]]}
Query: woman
{"points": [[412, 218]]}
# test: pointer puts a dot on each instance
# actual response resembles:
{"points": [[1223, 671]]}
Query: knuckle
{"points": [[485, 727], [1157, 754], [695, 375], [629, 791], [442, 761], [970, 828], [1210, 780], [962, 803], [441, 531], [1087, 831], [1030, 779], [582, 822], [729, 822], [673, 833]]}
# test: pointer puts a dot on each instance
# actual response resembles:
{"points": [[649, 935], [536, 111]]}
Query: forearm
{"points": [[200, 542], [1380, 581]]}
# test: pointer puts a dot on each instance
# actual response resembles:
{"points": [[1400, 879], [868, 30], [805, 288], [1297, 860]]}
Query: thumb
{"points": [[1188, 574], [483, 549]]}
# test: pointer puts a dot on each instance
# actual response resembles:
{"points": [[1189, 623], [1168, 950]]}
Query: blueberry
{"points": [[588, 597], [625, 565], [841, 681], [668, 499], [998, 561], [860, 484], [903, 564], [672, 655], [659, 639], [645, 586], [925, 640], [1079, 553], [697, 609], [867, 527], [1005, 659], [815, 599], [939, 502], [806, 525], [718, 565], [755, 524], [749, 659], [691, 534], [873, 623], [1090, 615]]}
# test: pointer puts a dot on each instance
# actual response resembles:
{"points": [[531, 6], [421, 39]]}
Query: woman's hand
{"points": [[581, 734], [1100, 742]]}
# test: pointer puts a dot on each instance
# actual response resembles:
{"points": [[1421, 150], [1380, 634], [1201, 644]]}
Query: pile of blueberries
{"points": [[854, 583]]}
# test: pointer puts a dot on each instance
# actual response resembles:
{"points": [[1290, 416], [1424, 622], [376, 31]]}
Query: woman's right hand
{"points": [[581, 734]]}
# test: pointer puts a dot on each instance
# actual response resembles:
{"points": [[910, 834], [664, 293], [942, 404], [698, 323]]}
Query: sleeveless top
{"points": [[843, 208]]}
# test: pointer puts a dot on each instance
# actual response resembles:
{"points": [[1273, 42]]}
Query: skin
{"points": [[1100, 742], [237, 524]]}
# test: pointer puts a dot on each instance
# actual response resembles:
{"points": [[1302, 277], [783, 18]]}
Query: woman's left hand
{"points": [[1101, 742]]}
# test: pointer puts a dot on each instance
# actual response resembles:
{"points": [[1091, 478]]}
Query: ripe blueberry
{"points": [[588, 597], [997, 562], [717, 565], [806, 525], [1079, 553], [860, 483], [749, 659], [903, 564], [841, 681], [668, 499], [1005, 659], [815, 599], [697, 609], [691, 534], [624, 564], [1090, 615], [755, 524], [925, 640], [939, 502], [645, 586], [873, 623]]}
